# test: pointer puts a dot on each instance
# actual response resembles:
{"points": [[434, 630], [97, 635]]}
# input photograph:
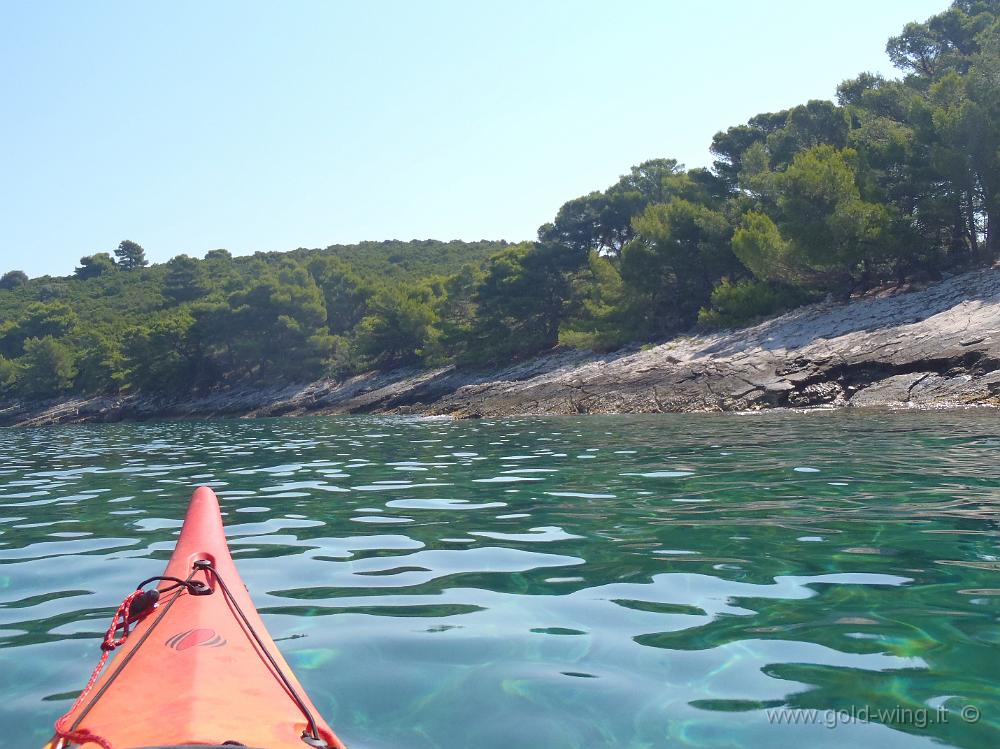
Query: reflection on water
{"points": [[600, 582]]}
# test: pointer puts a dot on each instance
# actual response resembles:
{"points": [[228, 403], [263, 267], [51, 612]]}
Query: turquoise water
{"points": [[667, 581]]}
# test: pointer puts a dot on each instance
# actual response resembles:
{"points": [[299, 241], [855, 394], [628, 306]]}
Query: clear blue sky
{"points": [[188, 126]]}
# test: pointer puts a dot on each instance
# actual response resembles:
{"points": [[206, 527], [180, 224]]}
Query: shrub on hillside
{"points": [[734, 305]]}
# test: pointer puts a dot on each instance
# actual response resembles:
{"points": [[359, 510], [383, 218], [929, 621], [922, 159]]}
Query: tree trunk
{"points": [[970, 212], [959, 236], [992, 248], [990, 190]]}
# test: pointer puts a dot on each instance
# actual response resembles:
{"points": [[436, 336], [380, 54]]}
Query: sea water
{"points": [[779, 580]]}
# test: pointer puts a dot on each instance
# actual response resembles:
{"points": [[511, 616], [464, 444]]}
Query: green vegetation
{"points": [[130, 255], [899, 179], [734, 304], [13, 279]]}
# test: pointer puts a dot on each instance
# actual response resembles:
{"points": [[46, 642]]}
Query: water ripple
{"points": [[602, 582]]}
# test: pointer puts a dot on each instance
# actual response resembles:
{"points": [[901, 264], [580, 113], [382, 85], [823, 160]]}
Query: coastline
{"points": [[936, 347]]}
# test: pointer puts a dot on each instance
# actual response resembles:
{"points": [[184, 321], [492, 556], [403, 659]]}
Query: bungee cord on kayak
{"points": [[137, 604], [215, 641], [120, 619], [311, 736]]}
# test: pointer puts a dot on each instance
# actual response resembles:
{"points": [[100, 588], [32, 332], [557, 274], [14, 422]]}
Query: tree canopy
{"points": [[130, 255], [95, 265], [13, 279]]}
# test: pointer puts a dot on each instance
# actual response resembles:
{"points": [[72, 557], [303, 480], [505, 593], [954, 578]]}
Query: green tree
{"points": [[130, 255], [598, 221], [833, 231], [37, 320], [945, 42], [47, 368], [734, 304], [681, 250], [826, 237], [100, 363], [521, 302], [13, 279], [953, 63], [273, 328], [729, 146], [457, 311], [185, 280], [602, 319], [893, 168], [782, 134], [48, 292], [400, 326], [163, 355], [602, 221], [966, 119], [760, 247], [8, 375], [816, 123], [345, 294], [93, 266]]}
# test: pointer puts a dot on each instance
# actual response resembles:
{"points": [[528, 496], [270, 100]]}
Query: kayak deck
{"points": [[200, 667]]}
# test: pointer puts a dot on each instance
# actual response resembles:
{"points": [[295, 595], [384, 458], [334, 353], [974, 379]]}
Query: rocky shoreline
{"points": [[937, 347]]}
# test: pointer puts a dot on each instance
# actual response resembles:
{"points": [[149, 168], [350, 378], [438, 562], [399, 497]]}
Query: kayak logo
{"points": [[193, 638]]}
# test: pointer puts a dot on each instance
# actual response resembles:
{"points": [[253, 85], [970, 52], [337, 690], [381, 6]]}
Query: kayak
{"points": [[194, 664]]}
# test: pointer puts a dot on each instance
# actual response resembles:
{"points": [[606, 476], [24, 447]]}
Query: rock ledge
{"points": [[938, 347]]}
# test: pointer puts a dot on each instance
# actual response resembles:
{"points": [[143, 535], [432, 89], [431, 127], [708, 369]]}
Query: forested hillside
{"points": [[899, 179]]}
